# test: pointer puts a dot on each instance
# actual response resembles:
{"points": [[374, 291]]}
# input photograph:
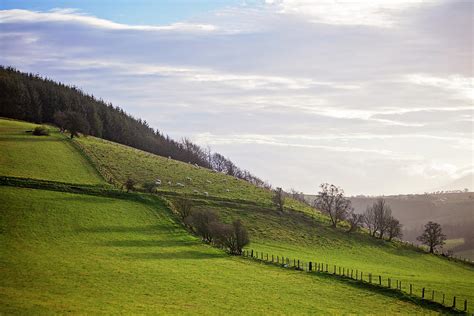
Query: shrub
{"points": [[41, 131], [130, 184], [231, 237], [149, 187], [201, 221], [183, 207]]}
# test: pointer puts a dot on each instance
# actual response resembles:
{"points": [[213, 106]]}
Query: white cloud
{"points": [[75, 16], [461, 86], [382, 13]]}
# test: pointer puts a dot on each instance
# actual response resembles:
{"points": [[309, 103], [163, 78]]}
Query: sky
{"points": [[373, 96]]}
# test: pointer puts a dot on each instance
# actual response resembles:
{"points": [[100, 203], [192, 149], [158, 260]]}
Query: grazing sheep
{"points": [[206, 194], [158, 182], [227, 190], [196, 166], [189, 179], [169, 157], [196, 191], [179, 184], [169, 183]]}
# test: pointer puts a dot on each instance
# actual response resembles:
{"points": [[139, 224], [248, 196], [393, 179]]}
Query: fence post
{"points": [[465, 305], [370, 277], [272, 258], [443, 299], [261, 255], [334, 269], [380, 280], [432, 295], [389, 281], [326, 267], [277, 260], [251, 254], [310, 266], [411, 289], [298, 264], [400, 283], [357, 274], [344, 271], [361, 276], [423, 293], [454, 302], [339, 270], [396, 283], [352, 273]]}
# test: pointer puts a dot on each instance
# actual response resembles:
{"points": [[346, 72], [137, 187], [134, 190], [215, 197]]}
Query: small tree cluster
{"points": [[183, 206], [379, 221], [232, 237], [331, 201]]}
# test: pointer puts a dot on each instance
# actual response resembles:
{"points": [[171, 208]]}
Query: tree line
{"points": [[32, 98]]}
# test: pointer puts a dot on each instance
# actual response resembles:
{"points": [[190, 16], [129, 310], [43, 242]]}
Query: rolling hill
{"points": [[108, 251]]}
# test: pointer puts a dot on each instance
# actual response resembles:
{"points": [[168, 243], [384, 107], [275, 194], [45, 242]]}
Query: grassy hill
{"points": [[42, 157], [66, 252], [74, 253]]}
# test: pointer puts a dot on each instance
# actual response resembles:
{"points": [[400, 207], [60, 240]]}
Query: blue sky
{"points": [[130, 12], [374, 96]]}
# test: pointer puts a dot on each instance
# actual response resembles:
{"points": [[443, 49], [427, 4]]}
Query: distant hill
{"points": [[454, 211]]}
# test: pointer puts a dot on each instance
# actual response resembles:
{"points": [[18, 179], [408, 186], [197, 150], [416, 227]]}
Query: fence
{"points": [[370, 279]]}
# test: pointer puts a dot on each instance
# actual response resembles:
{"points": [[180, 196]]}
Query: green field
{"points": [[75, 253], [41, 157], [66, 252]]}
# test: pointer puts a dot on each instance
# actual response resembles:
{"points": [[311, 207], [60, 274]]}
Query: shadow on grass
{"points": [[147, 229], [188, 254], [149, 243]]}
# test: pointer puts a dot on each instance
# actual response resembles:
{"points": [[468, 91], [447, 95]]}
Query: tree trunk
{"points": [[431, 249]]}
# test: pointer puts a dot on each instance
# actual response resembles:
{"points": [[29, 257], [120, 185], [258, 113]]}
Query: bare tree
{"points": [[231, 237], [279, 199], [432, 236], [377, 218], [394, 229], [355, 220], [370, 221], [201, 222], [331, 201], [183, 206]]}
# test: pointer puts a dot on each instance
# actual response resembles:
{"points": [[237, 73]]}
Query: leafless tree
{"points": [[331, 201], [355, 220], [432, 236], [231, 237], [183, 206], [279, 199], [394, 229], [201, 222], [377, 218], [130, 184]]}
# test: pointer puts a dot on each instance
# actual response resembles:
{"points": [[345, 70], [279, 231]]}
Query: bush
{"points": [[201, 222], [149, 187], [231, 237], [41, 131], [183, 206]]}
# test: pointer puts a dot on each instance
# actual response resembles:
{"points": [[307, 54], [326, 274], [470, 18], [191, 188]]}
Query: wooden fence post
{"points": [[298, 264], [389, 281], [432, 295], [400, 284], [251, 254], [344, 271], [411, 289], [261, 255], [272, 258], [357, 274], [339, 270], [361, 276], [454, 302], [370, 277], [277, 260], [423, 293], [443, 299], [326, 267], [465, 305], [380, 280], [310, 266], [352, 273]]}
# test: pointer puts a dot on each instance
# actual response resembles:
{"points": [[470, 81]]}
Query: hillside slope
{"points": [[87, 254], [76, 253]]}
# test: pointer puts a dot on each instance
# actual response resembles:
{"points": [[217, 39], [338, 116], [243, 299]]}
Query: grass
{"points": [[64, 252], [41, 157], [299, 236]]}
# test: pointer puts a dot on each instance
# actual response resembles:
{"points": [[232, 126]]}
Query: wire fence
{"points": [[451, 302]]}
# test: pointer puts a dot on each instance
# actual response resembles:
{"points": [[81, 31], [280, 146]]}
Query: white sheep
{"points": [[179, 184], [196, 166], [189, 179], [169, 183], [196, 191], [158, 182], [227, 190], [206, 193]]}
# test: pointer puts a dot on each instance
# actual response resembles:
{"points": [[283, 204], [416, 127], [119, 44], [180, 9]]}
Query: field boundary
{"points": [[377, 282]]}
